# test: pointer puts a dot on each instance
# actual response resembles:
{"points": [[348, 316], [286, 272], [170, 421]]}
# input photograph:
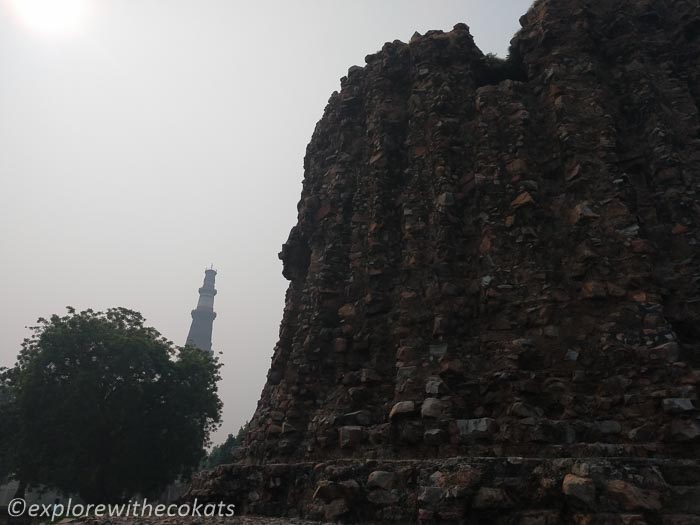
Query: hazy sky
{"points": [[142, 140]]}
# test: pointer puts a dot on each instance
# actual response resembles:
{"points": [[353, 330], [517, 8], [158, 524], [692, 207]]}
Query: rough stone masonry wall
{"points": [[525, 491], [500, 260]]}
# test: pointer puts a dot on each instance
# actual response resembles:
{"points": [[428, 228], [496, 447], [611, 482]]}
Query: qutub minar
{"points": [[203, 316]]}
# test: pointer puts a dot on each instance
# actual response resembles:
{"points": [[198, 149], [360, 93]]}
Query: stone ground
{"points": [[261, 520], [236, 520]]}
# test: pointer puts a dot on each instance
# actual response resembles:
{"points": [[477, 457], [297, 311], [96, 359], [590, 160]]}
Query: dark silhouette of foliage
{"points": [[223, 453], [8, 426], [496, 69], [106, 407]]}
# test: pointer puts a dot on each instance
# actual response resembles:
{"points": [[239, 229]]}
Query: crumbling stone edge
{"points": [[507, 490]]}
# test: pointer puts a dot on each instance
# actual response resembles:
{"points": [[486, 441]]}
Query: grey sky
{"points": [[170, 134]]}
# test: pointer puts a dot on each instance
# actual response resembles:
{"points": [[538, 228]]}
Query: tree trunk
{"points": [[21, 489]]}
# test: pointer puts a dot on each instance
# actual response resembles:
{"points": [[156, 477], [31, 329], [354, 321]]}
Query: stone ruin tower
{"points": [[494, 305]]}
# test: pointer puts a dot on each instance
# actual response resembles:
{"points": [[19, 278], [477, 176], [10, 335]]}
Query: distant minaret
{"points": [[203, 316]]}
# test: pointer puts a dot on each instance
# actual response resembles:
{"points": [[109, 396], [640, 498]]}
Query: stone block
{"points": [[631, 497], [434, 408], [382, 479], [402, 408], [580, 491], [491, 498], [677, 405], [476, 428], [350, 436]]}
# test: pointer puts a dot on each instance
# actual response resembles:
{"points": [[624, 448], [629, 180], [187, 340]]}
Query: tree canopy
{"points": [[223, 453], [106, 407], [8, 425]]}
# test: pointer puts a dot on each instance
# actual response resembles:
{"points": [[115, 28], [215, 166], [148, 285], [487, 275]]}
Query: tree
{"points": [[223, 454], [495, 69], [106, 407], [8, 426]]}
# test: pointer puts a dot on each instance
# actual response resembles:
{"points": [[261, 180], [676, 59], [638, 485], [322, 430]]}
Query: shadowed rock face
{"points": [[500, 260], [506, 268]]}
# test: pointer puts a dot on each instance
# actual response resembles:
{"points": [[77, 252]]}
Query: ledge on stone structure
{"points": [[479, 490]]}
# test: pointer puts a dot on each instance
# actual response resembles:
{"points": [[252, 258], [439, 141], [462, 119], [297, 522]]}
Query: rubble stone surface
{"points": [[496, 261]]}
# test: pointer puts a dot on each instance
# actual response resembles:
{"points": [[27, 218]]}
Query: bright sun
{"points": [[52, 17]]}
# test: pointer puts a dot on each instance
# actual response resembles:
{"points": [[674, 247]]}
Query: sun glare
{"points": [[52, 17]]}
